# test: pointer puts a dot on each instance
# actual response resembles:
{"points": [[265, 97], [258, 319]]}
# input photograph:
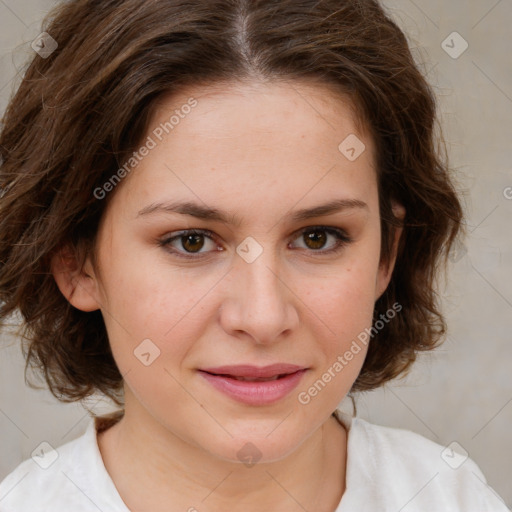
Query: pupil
{"points": [[318, 240], [194, 239]]}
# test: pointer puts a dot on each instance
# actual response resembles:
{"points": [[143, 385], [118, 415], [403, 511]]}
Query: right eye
{"points": [[191, 241]]}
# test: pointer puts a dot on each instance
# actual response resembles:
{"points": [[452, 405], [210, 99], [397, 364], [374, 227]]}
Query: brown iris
{"points": [[192, 243], [317, 239]]}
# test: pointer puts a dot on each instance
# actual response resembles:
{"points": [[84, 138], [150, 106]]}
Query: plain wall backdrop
{"points": [[463, 391]]}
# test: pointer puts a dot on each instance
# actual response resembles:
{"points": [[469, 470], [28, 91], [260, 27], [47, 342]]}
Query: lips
{"points": [[255, 373], [252, 385], [249, 379]]}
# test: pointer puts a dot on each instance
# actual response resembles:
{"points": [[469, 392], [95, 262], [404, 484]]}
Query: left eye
{"points": [[314, 238]]}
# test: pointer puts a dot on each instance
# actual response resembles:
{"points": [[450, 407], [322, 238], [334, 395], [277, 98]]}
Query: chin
{"points": [[249, 451]]}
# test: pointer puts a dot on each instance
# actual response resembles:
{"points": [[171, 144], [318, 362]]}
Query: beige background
{"points": [[461, 393]]}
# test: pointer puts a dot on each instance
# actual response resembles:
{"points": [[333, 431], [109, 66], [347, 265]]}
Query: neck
{"points": [[152, 468]]}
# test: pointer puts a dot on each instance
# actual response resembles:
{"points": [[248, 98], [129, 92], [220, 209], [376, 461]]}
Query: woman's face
{"points": [[270, 283]]}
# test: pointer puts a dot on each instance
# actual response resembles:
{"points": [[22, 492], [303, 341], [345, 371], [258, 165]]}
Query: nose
{"points": [[259, 303]]}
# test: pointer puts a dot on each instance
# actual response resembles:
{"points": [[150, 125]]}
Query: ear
{"points": [[79, 286], [386, 269]]}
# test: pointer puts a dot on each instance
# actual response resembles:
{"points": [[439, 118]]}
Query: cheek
{"points": [[343, 309], [343, 305], [149, 299], [345, 296]]}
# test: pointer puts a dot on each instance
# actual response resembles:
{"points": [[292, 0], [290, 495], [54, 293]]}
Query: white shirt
{"points": [[388, 470]]}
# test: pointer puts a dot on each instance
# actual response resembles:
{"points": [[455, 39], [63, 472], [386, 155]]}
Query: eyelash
{"points": [[342, 240]]}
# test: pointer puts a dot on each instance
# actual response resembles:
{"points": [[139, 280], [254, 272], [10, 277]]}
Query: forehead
{"points": [[254, 141], [271, 105]]}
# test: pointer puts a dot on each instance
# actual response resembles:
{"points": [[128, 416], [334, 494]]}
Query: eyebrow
{"points": [[209, 213]]}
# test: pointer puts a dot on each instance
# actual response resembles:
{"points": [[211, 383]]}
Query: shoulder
{"points": [[57, 479], [405, 469], [41, 478]]}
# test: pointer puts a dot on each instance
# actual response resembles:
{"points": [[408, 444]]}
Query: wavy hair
{"points": [[79, 113]]}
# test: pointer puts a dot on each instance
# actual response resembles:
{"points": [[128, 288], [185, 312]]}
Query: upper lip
{"points": [[247, 370]]}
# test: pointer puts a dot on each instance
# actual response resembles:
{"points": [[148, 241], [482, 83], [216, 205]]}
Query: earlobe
{"points": [[79, 287], [386, 269]]}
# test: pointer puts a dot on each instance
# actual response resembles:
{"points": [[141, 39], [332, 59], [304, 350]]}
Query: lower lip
{"points": [[255, 393]]}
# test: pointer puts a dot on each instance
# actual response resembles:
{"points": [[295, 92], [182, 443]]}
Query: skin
{"points": [[260, 151]]}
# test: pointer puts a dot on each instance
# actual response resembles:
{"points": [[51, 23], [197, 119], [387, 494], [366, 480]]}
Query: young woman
{"points": [[227, 216]]}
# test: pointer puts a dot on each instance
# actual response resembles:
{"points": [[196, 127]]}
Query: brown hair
{"points": [[80, 112]]}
